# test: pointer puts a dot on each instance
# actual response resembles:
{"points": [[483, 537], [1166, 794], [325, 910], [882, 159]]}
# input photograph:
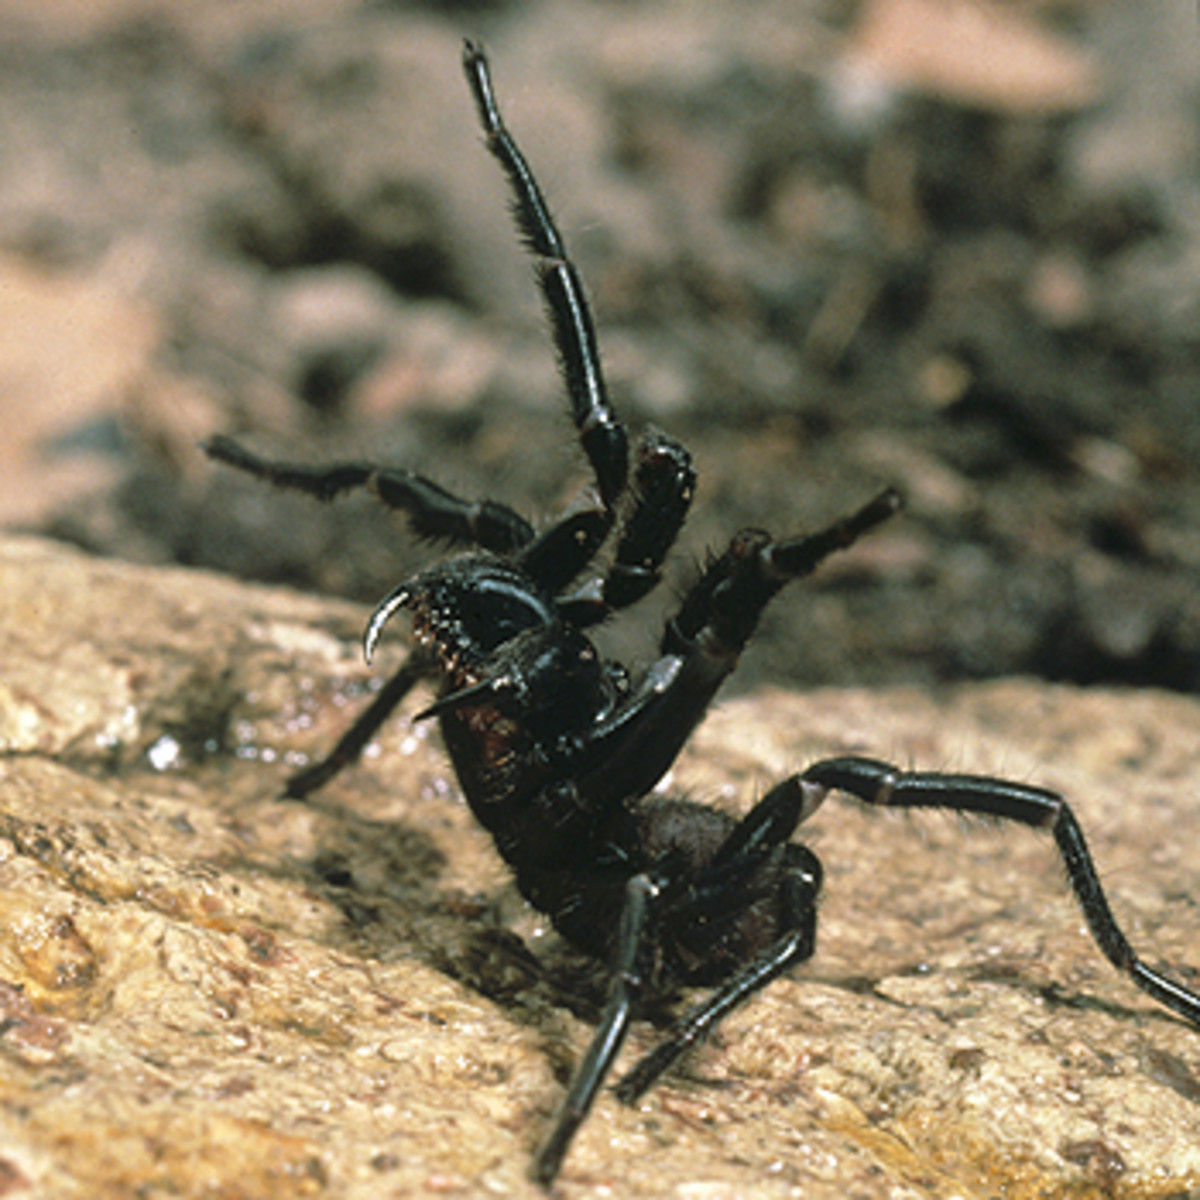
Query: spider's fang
{"points": [[397, 598], [463, 698]]}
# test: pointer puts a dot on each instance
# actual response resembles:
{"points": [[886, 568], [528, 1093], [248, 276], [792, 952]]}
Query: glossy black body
{"points": [[557, 749]]}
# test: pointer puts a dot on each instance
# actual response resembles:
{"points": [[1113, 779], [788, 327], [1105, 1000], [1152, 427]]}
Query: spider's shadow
{"points": [[384, 877]]}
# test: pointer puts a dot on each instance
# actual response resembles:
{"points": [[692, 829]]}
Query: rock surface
{"points": [[207, 991]]}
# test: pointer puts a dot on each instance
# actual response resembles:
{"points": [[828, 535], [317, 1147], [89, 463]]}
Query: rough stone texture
{"points": [[206, 991]]}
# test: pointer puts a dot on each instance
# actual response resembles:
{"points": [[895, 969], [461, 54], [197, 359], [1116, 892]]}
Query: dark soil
{"points": [[820, 288]]}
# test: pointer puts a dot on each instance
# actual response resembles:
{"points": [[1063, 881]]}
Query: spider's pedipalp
{"points": [[664, 482]]}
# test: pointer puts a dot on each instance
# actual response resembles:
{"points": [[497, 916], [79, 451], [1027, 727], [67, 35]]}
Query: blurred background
{"points": [[952, 245]]}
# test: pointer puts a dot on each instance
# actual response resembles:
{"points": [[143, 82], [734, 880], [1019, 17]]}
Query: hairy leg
{"points": [[600, 431], [432, 511], [880, 783]]}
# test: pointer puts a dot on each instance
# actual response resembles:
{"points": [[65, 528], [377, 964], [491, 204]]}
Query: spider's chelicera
{"points": [[557, 749]]}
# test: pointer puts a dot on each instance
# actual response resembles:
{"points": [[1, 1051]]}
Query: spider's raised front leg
{"points": [[880, 783], [572, 542], [664, 482]]}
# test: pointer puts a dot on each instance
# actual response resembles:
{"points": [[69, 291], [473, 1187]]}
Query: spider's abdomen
{"points": [[715, 918], [724, 916]]}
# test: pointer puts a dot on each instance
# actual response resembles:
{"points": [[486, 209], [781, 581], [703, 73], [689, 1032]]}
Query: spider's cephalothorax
{"points": [[556, 748]]}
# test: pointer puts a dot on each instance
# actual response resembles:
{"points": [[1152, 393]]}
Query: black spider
{"points": [[556, 749]]}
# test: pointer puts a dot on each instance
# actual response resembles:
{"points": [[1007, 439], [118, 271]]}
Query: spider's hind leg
{"points": [[880, 783], [757, 855]]}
